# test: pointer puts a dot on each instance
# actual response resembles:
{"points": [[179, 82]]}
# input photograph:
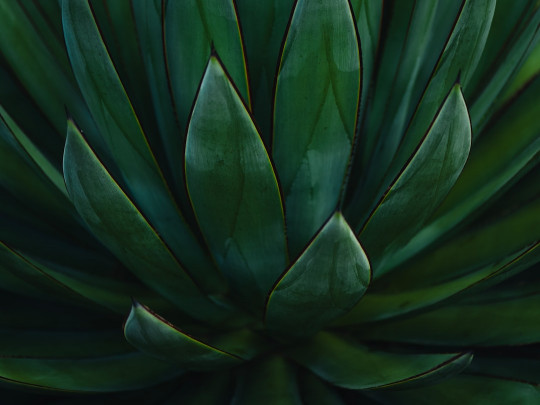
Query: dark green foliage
{"points": [[269, 202]]}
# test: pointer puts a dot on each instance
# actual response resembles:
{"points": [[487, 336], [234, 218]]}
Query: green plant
{"points": [[323, 201]]}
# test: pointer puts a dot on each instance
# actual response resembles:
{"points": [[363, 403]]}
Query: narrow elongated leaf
{"points": [[486, 245], [510, 146], [466, 390], [315, 111], [263, 26], [113, 218], [377, 306], [14, 263], [423, 183], [412, 37], [119, 126], [192, 28], [505, 322], [354, 366], [154, 336], [61, 344], [125, 371], [459, 58], [32, 152], [326, 281], [148, 18], [45, 75], [225, 157], [268, 382], [519, 368]]}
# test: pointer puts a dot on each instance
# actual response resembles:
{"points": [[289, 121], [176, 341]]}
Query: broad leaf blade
{"points": [[326, 281], [119, 126], [117, 222], [192, 29], [121, 372], [423, 183], [225, 157], [466, 390], [316, 103], [350, 365], [156, 337]]}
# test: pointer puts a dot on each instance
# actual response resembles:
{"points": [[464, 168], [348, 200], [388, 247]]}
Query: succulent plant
{"points": [[270, 202]]}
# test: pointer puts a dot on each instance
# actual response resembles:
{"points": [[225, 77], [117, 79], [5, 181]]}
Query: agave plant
{"points": [[270, 202]]}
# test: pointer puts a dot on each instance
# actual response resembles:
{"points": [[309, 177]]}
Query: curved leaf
{"points": [[466, 390], [423, 183], [121, 372], [512, 321], [315, 111], [225, 157], [119, 126], [351, 365], [263, 27], [154, 336], [326, 281], [459, 59], [192, 29], [113, 218]]}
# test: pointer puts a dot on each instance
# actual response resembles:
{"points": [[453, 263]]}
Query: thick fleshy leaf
{"points": [[512, 321], [263, 26], [19, 267], [119, 126], [192, 29], [315, 111], [459, 59], [43, 71], [225, 157], [61, 344], [156, 337], [488, 244], [381, 305], [117, 222], [120, 372], [413, 35], [149, 22], [423, 183], [326, 281], [524, 367], [465, 390], [267, 382], [508, 149], [348, 364]]}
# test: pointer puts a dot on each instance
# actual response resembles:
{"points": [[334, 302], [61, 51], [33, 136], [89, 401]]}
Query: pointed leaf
{"points": [[511, 321], [326, 281], [263, 26], [389, 304], [354, 366], [423, 183], [121, 372], [156, 337], [316, 104], [117, 222], [465, 390], [119, 126], [192, 29], [459, 59], [225, 157]]}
